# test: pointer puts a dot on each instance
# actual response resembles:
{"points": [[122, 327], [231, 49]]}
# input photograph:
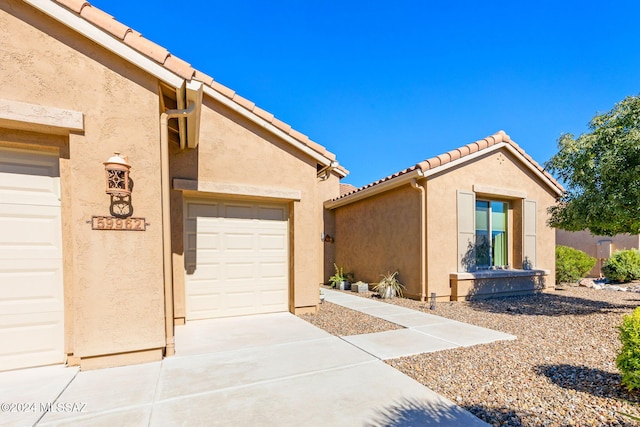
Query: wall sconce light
{"points": [[117, 173], [326, 238]]}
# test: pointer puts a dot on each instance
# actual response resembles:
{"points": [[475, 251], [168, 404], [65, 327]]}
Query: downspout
{"points": [[423, 240], [166, 222]]}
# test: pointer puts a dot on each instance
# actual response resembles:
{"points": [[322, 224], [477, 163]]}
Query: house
{"points": [[468, 223], [137, 193], [599, 247]]}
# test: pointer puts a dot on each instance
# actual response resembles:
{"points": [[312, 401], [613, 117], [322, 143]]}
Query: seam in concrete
{"points": [[269, 381], [58, 396], [209, 353]]}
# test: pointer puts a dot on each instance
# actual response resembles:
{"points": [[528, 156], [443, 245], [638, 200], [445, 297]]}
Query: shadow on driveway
{"points": [[411, 412]]}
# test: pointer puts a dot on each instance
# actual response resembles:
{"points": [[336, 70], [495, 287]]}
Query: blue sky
{"points": [[385, 85]]}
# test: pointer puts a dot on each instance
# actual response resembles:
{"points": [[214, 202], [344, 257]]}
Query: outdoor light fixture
{"points": [[117, 173]]}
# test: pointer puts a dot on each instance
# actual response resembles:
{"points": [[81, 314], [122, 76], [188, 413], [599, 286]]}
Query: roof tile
{"points": [[180, 67], [299, 136], [455, 154], [281, 125], [482, 144], [444, 158], [104, 21], [74, 5], [263, 114], [222, 89], [200, 76], [244, 102], [434, 162], [156, 52]]}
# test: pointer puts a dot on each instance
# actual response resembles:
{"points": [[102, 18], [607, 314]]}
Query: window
{"points": [[491, 234]]}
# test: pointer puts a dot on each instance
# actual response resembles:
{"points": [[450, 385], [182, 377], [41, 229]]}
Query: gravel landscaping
{"points": [[559, 372]]}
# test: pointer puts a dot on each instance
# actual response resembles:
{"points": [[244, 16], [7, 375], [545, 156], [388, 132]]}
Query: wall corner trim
{"points": [[39, 118], [227, 189]]}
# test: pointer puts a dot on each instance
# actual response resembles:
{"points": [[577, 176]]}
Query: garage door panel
{"points": [[206, 241], [251, 258], [273, 270], [25, 289], [31, 291], [29, 232], [238, 242], [29, 190], [272, 242]]}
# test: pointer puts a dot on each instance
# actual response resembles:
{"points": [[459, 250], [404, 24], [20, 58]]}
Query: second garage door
{"points": [[31, 290], [237, 258]]}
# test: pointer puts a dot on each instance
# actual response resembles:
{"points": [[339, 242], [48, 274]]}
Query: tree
{"points": [[601, 173]]}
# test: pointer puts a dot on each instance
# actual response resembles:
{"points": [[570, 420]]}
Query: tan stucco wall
{"points": [[382, 232], [112, 280], [233, 150], [588, 243], [498, 169], [379, 235]]}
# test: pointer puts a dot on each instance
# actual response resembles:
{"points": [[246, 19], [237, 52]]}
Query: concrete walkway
{"points": [[424, 333], [264, 370]]}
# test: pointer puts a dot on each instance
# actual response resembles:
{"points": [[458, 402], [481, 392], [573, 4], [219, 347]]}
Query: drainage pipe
{"points": [[423, 239], [170, 348]]}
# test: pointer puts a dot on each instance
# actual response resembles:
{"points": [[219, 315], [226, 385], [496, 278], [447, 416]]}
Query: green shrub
{"points": [[572, 264], [623, 266], [628, 360]]}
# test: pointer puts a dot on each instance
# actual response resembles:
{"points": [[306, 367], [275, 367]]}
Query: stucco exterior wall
{"points": [[112, 280], [379, 235], [497, 169], [588, 243], [233, 150]]}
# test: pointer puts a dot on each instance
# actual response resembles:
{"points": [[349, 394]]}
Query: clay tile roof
{"points": [[145, 46], [244, 102], [346, 189], [263, 114], [460, 153], [162, 56], [74, 5], [281, 125], [104, 21], [180, 67], [200, 76]]}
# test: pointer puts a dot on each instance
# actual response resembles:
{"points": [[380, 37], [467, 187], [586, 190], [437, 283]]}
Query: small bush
{"points": [[628, 360], [623, 266], [572, 264]]}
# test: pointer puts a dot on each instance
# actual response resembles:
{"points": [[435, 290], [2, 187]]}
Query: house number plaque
{"points": [[113, 223]]}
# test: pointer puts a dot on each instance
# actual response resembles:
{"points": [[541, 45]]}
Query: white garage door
{"points": [[236, 259], [31, 293]]}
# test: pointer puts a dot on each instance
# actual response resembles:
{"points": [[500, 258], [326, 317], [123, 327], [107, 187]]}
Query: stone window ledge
{"points": [[497, 274]]}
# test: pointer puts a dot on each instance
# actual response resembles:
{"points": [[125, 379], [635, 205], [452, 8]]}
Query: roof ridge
{"points": [[458, 153], [162, 56]]}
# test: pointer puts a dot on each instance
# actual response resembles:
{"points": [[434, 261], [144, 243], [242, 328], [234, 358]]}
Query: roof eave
{"points": [[376, 189]]}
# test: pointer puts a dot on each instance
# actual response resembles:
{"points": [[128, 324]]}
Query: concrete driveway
{"points": [[273, 369]]}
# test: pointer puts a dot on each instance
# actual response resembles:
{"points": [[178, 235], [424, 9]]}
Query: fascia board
{"points": [[376, 189]]}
